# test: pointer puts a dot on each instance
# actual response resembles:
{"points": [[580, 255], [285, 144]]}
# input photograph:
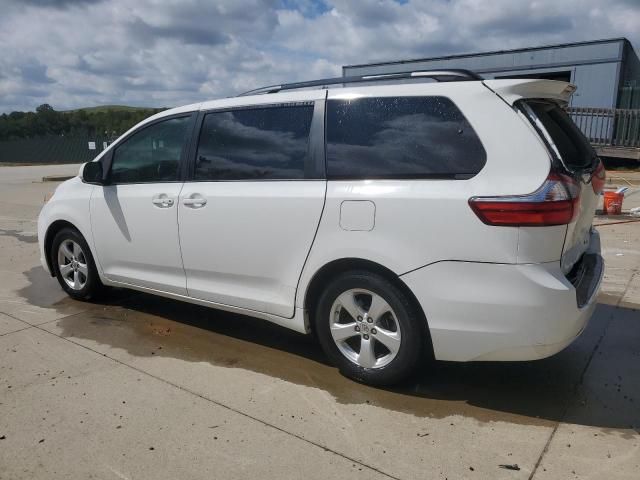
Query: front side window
{"points": [[269, 143], [152, 154], [400, 137]]}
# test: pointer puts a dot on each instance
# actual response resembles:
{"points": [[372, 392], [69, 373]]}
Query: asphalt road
{"points": [[141, 387]]}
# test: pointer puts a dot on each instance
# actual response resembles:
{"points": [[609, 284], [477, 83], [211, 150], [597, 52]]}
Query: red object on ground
{"points": [[613, 203]]}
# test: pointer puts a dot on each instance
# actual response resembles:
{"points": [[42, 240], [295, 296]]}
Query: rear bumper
{"points": [[490, 312], [585, 277]]}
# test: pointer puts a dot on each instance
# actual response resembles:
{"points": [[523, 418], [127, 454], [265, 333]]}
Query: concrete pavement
{"points": [[145, 387]]}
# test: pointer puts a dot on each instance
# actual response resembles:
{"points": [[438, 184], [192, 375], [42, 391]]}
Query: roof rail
{"points": [[452, 75]]}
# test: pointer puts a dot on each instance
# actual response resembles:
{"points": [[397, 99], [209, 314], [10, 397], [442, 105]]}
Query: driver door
{"points": [[134, 218]]}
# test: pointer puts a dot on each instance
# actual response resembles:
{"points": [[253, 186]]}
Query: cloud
{"points": [[187, 34], [34, 72], [74, 53], [54, 3]]}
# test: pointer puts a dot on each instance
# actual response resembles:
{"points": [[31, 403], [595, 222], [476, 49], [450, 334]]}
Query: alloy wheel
{"points": [[72, 264], [365, 328]]}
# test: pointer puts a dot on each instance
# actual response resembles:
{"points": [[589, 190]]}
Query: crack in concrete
{"points": [[30, 325], [222, 405], [580, 380], [15, 331]]}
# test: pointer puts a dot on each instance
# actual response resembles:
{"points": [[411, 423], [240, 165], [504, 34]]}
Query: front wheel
{"points": [[369, 328], [73, 265]]}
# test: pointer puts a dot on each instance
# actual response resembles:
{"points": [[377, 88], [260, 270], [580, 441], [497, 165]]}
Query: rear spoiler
{"points": [[512, 90]]}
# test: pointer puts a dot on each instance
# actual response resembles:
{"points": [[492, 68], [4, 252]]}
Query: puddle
{"points": [[19, 235], [531, 393], [43, 290]]}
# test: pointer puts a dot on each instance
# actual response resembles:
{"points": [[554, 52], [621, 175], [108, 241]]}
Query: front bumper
{"points": [[489, 312], [42, 229]]}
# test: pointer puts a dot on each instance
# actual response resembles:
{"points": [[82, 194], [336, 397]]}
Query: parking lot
{"points": [[144, 387]]}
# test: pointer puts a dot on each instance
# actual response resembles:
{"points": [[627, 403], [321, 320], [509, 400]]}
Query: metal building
{"points": [[606, 72]]}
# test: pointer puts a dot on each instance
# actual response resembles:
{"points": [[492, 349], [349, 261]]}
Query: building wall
{"points": [[596, 68], [629, 96], [597, 85]]}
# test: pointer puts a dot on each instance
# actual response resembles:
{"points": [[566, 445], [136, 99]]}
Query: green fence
{"points": [[629, 96], [51, 149]]}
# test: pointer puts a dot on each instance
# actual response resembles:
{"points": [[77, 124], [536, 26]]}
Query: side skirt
{"points": [[296, 323]]}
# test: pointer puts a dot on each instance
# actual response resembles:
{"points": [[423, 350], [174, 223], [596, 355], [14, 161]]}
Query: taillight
{"points": [[556, 202], [598, 178]]}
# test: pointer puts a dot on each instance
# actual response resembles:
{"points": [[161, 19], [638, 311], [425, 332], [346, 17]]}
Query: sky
{"points": [[164, 53]]}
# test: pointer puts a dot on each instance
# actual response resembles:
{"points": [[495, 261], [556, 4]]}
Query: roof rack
{"points": [[453, 75]]}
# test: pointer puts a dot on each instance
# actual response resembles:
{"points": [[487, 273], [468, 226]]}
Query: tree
{"points": [[45, 107], [47, 121]]}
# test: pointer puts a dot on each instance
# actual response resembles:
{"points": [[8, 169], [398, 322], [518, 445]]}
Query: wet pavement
{"points": [[138, 386]]}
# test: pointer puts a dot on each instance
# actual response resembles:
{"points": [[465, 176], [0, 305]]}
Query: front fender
{"points": [[69, 205]]}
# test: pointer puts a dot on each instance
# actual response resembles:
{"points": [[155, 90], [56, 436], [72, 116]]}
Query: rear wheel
{"points": [[369, 328], [74, 266]]}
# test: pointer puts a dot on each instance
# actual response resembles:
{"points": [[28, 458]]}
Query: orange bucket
{"points": [[613, 203]]}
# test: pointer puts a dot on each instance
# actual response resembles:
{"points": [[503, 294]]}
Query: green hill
{"points": [[109, 120], [111, 108]]}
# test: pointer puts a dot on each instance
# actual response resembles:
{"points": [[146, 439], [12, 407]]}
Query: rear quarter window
{"points": [[400, 137], [572, 145]]}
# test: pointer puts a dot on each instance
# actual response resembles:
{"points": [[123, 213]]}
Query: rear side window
{"points": [[400, 137], [254, 144], [573, 147]]}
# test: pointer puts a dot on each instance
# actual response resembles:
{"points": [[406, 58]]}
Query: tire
{"points": [[80, 280], [395, 336]]}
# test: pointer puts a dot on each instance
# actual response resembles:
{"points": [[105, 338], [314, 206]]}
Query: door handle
{"points": [[162, 201], [194, 201]]}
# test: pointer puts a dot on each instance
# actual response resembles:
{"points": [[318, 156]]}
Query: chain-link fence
{"points": [[52, 149]]}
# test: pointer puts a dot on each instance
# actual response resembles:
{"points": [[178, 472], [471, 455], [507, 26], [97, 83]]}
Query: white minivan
{"points": [[433, 215]]}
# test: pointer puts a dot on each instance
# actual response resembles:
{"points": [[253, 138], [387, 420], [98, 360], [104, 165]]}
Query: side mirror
{"points": [[92, 173]]}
